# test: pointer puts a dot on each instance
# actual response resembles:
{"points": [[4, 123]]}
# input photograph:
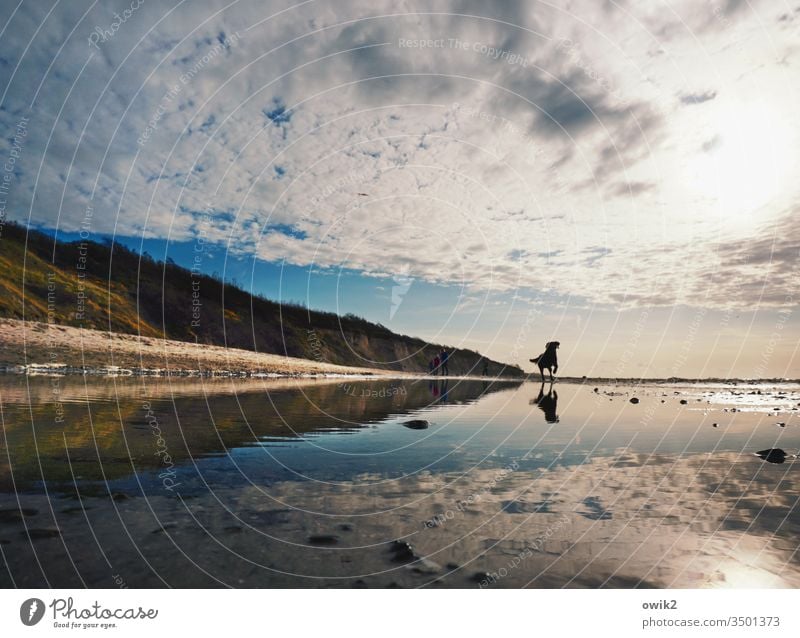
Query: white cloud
{"points": [[574, 162]]}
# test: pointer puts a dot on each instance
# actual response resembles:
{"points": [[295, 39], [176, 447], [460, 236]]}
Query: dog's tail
{"points": [[536, 360]]}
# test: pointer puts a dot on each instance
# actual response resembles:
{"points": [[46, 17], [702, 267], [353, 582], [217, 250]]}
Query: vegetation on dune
{"points": [[109, 287]]}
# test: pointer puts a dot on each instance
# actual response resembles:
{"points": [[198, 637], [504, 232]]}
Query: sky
{"points": [[617, 176]]}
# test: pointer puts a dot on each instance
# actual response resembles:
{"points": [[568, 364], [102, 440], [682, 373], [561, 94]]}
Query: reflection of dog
{"points": [[548, 359], [548, 403]]}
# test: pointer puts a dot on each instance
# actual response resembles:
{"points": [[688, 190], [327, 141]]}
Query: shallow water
{"points": [[199, 483]]}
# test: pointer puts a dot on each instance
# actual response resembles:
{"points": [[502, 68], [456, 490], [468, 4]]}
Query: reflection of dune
{"points": [[77, 389], [19, 389], [691, 521], [195, 418]]}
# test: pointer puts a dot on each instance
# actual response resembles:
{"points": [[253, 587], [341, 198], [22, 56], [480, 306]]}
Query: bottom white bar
{"points": [[351, 614]]}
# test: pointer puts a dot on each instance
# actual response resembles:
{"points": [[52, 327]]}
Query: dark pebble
{"points": [[773, 455], [684, 401], [360, 584], [323, 539], [118, 496], [402, 551], [416, 424], [346, 527], [452, 565], [477, 577], [634, 400]]}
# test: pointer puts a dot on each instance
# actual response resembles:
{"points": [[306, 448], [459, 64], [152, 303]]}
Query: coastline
{"points": [[37, 348], [40, 349], [29, 347]]}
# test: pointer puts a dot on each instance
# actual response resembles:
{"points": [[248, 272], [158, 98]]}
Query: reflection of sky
{"points": [[620, 521], [694, 520], [504, 428], [302, 430], [614, 494]]}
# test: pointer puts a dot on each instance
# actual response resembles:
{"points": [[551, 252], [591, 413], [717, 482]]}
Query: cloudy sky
{"points": [[619, 176]]}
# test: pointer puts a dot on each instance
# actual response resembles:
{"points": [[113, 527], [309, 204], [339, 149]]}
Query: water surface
{"points": [[256, 483]]}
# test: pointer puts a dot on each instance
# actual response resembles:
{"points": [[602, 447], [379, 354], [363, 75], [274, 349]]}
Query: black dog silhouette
{"points": [[548, 359]]}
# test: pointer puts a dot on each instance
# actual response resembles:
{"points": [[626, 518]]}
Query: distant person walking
{"points": [[444, 357], [436, 365]]}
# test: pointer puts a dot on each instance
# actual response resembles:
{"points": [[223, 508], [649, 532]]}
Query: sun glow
{"points": [[744, 165]]}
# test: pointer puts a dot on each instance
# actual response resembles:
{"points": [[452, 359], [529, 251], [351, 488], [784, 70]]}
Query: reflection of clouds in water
{"points": [[542, 506], [683, 522], [626, 520]]}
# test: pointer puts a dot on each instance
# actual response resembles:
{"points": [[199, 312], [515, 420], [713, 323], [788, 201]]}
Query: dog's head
{"points": [[552, 345]]}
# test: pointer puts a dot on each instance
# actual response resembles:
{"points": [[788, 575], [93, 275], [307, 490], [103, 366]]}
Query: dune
{"points": [[36, 347]]}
